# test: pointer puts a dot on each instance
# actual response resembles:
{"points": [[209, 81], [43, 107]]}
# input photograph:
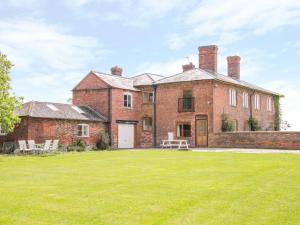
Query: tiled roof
{"points": [[199, 74], [59, 111], [117, 81], [145, 79]]}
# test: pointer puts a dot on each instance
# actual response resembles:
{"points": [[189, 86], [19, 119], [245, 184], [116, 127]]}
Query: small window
{"points": [[127, 100], [147, 124], [183, 130], [2, 131], [148, 97], [232, 97], [270, 104], [83, 130], [245, 100], [52, 107], [257, 102]]}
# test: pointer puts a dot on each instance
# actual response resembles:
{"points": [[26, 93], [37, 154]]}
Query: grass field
{"points": [[150, 187]]}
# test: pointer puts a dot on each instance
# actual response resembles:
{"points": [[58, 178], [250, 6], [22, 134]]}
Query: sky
{"points": [[54, 44]]}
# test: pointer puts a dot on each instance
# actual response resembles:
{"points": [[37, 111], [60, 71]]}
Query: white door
{"points": [[125, 135]]}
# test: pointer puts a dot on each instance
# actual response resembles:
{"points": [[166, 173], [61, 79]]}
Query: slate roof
{"points": [[117, 81], [199, 74], [145, 79], [65, 111]]}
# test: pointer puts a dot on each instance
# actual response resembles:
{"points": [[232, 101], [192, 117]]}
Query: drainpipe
{"points": [[109, 114], [251, 109], [154, 116]]}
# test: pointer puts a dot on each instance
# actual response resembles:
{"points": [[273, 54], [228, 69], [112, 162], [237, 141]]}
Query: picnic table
{"points": [[180, 144]]}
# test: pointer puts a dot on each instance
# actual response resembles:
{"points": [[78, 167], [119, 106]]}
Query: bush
{"points": [[78, 146], [227, 125], [253, 124], [104, 141]]}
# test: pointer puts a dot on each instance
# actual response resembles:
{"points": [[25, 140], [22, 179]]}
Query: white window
{"points": [[147, 124], [2, 131], [270, 104], [245, 100], [83, 130], [232, 97], [127, 100], [257, 102], [184, 130], [147, 97]]}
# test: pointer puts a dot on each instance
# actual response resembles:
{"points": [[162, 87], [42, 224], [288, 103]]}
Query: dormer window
{"points": [[127, 100]]}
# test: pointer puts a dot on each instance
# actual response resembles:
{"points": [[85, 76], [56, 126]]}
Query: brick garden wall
{"points": [[258, 139]]}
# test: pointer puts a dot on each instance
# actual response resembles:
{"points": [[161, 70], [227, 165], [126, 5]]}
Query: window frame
{"points": [[245, 100], [149, 101], [180, 130], [83, 125], [2, 133], [269, 104], [257, 102], [149, 125], [232, 97], [131, 100]]}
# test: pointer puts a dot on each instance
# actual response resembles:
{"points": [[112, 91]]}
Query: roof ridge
{"points": [[127, 78]]}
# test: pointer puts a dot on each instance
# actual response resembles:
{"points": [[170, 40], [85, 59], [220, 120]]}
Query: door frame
{"points": [[134, 123], [201, 117]]}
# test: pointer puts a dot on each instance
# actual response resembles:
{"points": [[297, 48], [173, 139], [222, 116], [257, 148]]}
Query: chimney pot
{"points": [[208, 58], [116, 71], [233, 67], [187, 67]]}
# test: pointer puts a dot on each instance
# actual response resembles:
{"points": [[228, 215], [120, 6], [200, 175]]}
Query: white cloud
{"points": [[46, 56], [230, 20]]}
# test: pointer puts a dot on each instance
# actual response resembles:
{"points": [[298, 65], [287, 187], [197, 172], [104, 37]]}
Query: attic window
{"points": [[77, 109], [52, 107]]}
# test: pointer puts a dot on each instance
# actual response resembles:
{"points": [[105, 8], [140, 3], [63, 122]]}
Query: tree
{"points": [[8, 101]]}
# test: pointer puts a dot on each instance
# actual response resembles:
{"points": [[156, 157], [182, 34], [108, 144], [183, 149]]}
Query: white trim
{"points": [[245, 99], [232, 97], [82, 130], [269, 104], [257, 101], [131, 100]]}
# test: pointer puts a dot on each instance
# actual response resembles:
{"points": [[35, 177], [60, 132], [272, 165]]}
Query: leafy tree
{"points": [[8, 101], [253, 124], [227, 124]]}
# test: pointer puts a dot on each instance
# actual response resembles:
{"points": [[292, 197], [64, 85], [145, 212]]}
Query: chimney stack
{"points": [[208, 58], [233, 67], [116, 71], [187, 67]]}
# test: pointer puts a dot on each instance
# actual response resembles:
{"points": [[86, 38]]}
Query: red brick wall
{"points": [[93, 92], [39, 129], [258, 139], [119, 112], [238, 112], [167, 107]]}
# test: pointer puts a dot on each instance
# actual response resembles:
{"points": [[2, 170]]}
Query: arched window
{"points": [[232, 97]]}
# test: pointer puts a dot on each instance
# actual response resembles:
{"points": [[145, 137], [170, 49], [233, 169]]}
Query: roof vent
{"points": [[77, 109], [52, 107]]}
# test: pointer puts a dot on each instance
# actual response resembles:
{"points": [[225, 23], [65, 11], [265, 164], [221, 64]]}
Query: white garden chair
{"points": [[54, 145], [46, 147], [23, 147]]}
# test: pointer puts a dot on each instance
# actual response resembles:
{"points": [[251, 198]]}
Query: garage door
{"points": [[125, 135]]}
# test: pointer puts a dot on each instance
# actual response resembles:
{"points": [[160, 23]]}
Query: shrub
{"points": [[253, 124], [104, 141], [227, 124], [78, 146]]}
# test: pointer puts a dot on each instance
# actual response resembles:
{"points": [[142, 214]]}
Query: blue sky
{"points": [[55, 44]]}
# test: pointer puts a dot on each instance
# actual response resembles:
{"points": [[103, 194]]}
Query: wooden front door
{"points": [[201, 132]]}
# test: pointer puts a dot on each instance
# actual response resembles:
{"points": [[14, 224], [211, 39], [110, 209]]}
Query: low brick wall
{"points": [[257, 139]]}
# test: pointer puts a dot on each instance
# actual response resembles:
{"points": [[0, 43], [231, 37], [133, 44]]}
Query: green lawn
{"points": [[150, 187]]}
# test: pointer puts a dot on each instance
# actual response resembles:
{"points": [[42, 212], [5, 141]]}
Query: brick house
{"points": [[44, 120], [141, 110]]}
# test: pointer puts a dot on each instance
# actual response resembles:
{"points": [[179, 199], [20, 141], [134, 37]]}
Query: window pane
{"points": [[187, 94], [186, 130]]}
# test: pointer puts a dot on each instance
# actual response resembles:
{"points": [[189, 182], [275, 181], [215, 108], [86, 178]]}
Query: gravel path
{"points": [[245, 150]]}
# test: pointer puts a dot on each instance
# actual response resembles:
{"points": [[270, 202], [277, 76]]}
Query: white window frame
{"points": [[148, 97], [83, 134], [232, 97], [270, 104], [131, 100], [257, 101], [245, 99], [147, 127], [2, 133]]}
